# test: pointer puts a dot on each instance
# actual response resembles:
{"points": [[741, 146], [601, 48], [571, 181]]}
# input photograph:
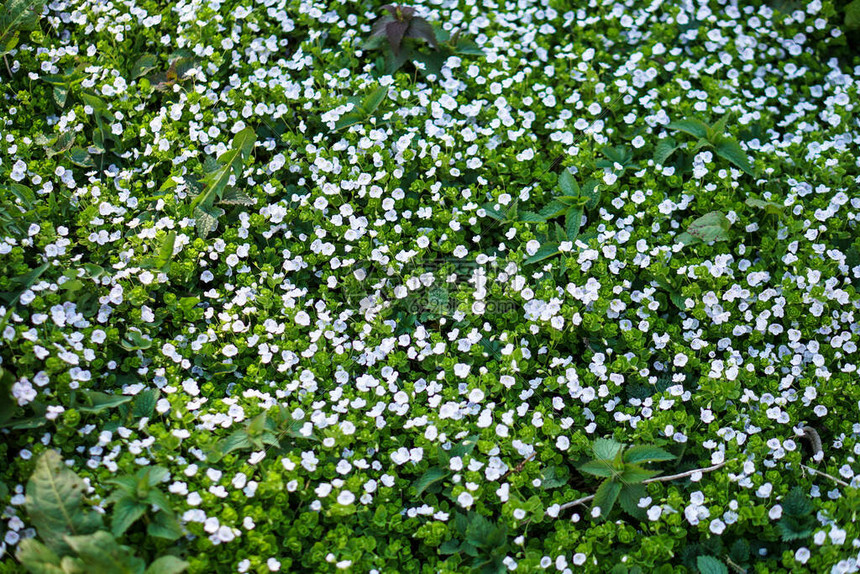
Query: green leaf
{"points": [[372, 101], [101, 401], [710, 565], [54, 502], [125, 512], [567, 184], [230, 162], [349, 119], [165, 252], [617, 154], [693, 126], [206, 219], [80, 157], [630, 497], [633, 474], [167, 565], [598, 468], [573, 221], [237, 440], [164, 525], [664, 150], [554, 477], [852, 16], [17, 16], [38, 558], [7, 402], [465, 447], [606, 448], [143, 65], [552, 209], [731, 150], [591, 190], [546, 251], [605, 497], [135, 341], [768, 206], [233, 196], [144, 403], [713, 226], [646, 453], [104, 555], [433, 475]]}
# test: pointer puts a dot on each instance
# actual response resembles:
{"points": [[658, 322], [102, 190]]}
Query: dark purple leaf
{"points": [[395, 31], [421, 28]]}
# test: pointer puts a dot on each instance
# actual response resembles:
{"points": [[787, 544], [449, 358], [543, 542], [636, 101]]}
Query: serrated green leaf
{"points": [[605, 497], [144, 403], [573, 221], [80, 157], [598, 468], [629, 500], [606, 448], [692, 126], [554, 477], [546, 251], [664, 150], [104, 555], [568, 184], [373, 100], [54, 502], [206, 220], [591, 190], [633, 474], [126, 511], [164, 525], [768, 206], [646, 453], [731, 150], [233, 196], [710, 565], [144, 64], [17, 16], [230, 162], [552, 209], [433, 475]]}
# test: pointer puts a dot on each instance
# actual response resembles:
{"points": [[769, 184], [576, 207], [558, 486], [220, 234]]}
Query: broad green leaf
{"points": [[465, 447], [493, 213], [552, 209], [143, 65], [17, 16], [591, 190], [567, 184], [633, 474], [573, 221], [348, 120], [852, 16], [125, 512], [554, 477], [135, 341], [617, 154], [80, 157], [713, 226], [54, 503], [38, 558], [7, 402], [693, 126], [710, 565], [606, 448], [372, 101], [598, 468], [630, 497], [207, 219], [433, 475], [237, 440], [104, 555], [167, 565], [233, 196], [164, 525], [716, 131], [102, 401], [769, 207], [546, 251], [144, 403], [230, 162], [646, 453], [530, 217], [664, 150], [605, 497], [731, 150]]}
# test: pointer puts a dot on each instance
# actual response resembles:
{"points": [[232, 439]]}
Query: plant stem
{"points": [[824, 474], [668, 478]]}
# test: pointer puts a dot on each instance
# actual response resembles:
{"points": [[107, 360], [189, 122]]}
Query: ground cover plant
{"points": [[452, 286]]}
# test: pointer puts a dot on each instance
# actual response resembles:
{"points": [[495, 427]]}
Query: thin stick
{"points": [[824, 474], [668, 478]]}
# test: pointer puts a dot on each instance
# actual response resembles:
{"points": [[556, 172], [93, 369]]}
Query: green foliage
{"points": [[17, 16], [619, 466], [707, 136], [72, 539], [798, 520], [480, 539], [710, 565]]}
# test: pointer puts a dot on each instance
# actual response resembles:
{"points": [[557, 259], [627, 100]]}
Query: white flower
{"points": [[465, 499]]}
